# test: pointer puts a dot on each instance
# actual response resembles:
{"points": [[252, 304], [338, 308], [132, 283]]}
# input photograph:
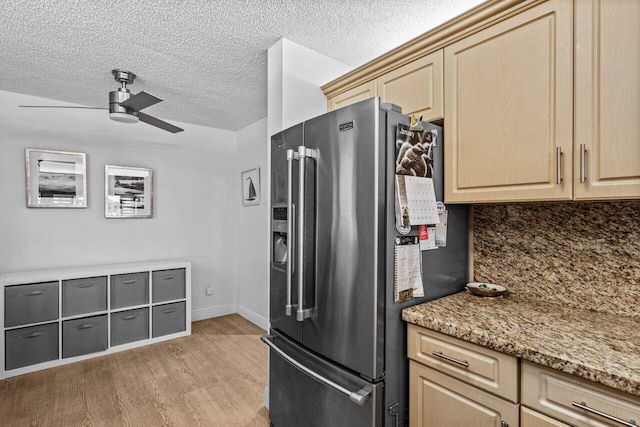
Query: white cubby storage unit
{"points": [[54, 317]]}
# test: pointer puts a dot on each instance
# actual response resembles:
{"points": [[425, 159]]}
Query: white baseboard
{"points": [[209, 312], [223, 310], [253, 317]]}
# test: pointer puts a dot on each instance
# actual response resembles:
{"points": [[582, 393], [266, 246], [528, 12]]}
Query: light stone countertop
{"points": [[600, 347]]}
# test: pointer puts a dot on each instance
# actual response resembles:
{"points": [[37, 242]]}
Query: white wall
{"points": [[252, 236], [196, 191], [295, 76]]}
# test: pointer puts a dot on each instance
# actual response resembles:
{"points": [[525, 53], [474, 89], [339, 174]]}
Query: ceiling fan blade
{"points": [[139, 101], [159, 123], [61, 106]]}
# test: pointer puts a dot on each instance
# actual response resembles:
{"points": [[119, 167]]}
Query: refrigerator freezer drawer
{"points": [[297, 398]]}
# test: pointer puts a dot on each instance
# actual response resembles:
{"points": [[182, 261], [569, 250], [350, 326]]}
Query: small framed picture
{"points": [[56, 179], [251, 187], [128, 192]]}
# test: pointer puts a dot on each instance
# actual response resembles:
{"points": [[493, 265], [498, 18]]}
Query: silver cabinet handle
{"points": [[583, 405], [291, 209], [558, 165], [303, 154], [129, 282], [583, 153], [169, 310], [129, 317], [168, 277], [359, 397], [450, 359]]}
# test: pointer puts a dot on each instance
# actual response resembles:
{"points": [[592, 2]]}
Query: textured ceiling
{"points": [[206, 59]]}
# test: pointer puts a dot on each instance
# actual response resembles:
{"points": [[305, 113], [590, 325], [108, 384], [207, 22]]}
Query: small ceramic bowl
{"points": [[486, 289]]}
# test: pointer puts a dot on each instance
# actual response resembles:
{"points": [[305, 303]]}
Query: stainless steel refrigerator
{"points": [[337, 341]]}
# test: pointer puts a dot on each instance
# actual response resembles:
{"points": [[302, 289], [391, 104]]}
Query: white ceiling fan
{"points": [[124, 107]]}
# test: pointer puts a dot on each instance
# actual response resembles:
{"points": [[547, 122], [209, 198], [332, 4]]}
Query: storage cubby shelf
{"points": [[59, 316]]}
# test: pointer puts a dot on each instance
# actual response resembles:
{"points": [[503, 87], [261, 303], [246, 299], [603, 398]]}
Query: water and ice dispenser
{"points": [[279, 238]]}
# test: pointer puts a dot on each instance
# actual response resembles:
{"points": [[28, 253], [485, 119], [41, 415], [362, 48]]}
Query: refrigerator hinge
{"points": [[397, 414]]}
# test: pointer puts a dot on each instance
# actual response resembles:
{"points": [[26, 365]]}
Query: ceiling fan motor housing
{"points": [[118, 112]]}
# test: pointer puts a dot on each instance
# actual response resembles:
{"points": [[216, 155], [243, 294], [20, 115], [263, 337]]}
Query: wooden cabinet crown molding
{"points": [[476, 19]]}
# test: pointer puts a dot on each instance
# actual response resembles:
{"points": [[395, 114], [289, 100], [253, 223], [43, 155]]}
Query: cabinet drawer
{"points": [[437, 399], [556, 394], [28, 346], [168, 285], [129, 289], [128, 326], [24, 304], [169, 319], [85, 295], [84, 336], [484, 368]]}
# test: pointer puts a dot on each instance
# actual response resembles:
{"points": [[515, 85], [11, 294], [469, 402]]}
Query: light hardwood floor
{"points": [[215, 377]]}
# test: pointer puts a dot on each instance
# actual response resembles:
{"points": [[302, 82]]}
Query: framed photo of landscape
{"points": [[128, 192], [55, 179]]}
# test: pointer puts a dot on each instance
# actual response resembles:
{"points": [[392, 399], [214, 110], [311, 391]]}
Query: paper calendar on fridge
{"points": [[415, 201]]}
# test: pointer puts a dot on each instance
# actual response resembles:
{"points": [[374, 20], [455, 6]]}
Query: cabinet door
{"points": [[436, 399], [531, 418], [607, 99], [359, 93], [416, 87], [509, 107]]}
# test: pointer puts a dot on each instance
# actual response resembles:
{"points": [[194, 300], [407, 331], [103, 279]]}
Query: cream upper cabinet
{"points": [[416, 87], [509, 109], [359, 93], [607, 95]]}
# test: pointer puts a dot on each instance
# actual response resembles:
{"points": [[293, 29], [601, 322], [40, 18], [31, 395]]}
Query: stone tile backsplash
{"points": [[584, 255]]}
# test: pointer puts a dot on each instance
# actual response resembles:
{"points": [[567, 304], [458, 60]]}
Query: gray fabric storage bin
{"points": [[128, 290], [84, 336], [86, 295], [33, 303], [168, 285], [128, 326], [169, 319], [31, 345]]}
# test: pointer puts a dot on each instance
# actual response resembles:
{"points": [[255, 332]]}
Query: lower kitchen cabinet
{"points": [[455, 383], [531, 418], [54, 317], [435, 399], [574, 400]]}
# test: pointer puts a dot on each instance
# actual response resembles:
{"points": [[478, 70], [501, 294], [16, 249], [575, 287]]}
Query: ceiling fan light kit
{"points": [[124, 107]]}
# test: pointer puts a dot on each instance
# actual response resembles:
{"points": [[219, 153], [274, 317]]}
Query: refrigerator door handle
{"points": [[303, 154], [291, 218], [359, 397]]}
